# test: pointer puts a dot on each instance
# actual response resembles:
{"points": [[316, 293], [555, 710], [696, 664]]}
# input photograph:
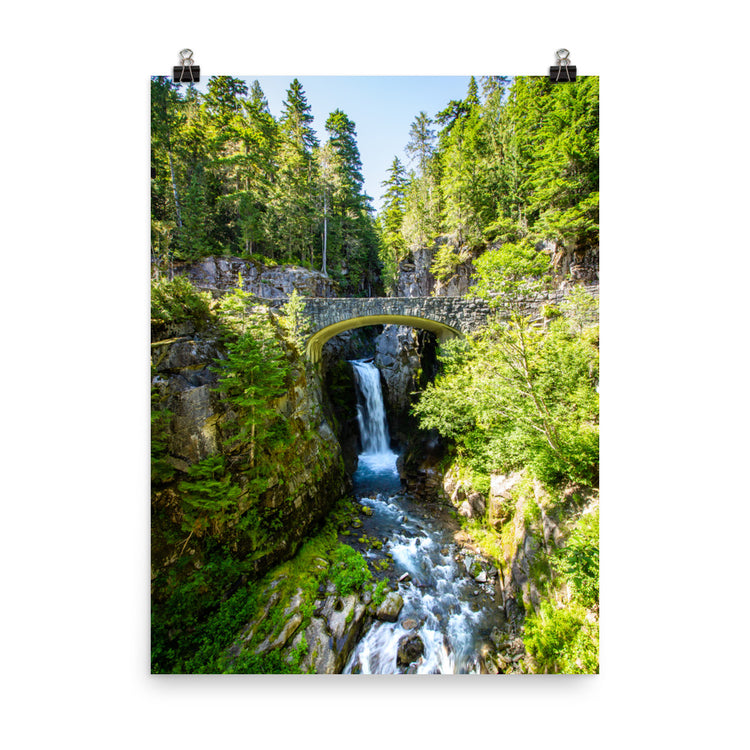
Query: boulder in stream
{"points": [[390, 608], [410, 648]]}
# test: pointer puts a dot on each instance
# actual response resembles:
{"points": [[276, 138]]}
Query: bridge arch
{"points": [[315, 343]]}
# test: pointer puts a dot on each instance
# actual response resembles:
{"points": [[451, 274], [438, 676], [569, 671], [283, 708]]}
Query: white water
{"points": [[373, 427], [451, 609], [376, 468]]}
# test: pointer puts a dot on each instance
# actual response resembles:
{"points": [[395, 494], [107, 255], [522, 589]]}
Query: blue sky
{"points": [[382, 108]]}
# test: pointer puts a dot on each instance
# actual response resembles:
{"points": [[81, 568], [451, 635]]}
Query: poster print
{"points": [[375, 375]]}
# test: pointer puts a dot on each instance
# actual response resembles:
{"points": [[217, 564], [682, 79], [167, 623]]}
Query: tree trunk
{"points": [[174, 190], [325, 234]]}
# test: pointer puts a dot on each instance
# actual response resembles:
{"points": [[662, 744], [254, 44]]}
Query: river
{"points": [[451, 613]]}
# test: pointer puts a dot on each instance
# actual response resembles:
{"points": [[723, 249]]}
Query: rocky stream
{"points": [[445, 608]]}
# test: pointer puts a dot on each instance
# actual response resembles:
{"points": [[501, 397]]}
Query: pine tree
{"points": [[329, 181], [421, 144], [348, 221], [166, 118], [472, 95], [393, 246], [257, 98], [223, 98], [422, 206], [252, 376], [296, 120], [296, 190], [460, 155]]}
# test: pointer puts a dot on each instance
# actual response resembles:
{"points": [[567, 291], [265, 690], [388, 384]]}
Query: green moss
{"points": [[379, 592]]}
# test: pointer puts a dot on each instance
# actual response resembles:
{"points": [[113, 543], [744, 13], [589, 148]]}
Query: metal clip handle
{"points": [[187, 71], [563, 63], [186, 57]]}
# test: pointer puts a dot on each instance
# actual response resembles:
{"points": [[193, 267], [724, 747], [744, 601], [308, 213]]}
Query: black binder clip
{"points": [[186, 72], [563, 72]]}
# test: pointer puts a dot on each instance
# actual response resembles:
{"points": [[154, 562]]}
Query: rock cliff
{"points": [[303, 475], [219, 273]]}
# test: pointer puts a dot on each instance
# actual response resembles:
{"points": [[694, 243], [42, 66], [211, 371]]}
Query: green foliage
{"points": [[380, 591], [208, 496], [177, 301], [581, 310], [578, 560], [192, 612], [253, 374], [350, 571], [562, 640], [232, 179], [513, 167], [294, 321], [219, 629], [519, 396], [507, 275], [446, 261], [161, 470], [391, 220], [270, 662]]}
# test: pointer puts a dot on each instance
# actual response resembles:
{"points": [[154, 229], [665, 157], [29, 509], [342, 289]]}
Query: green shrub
{"points": [[350, 571], [178, 300], [269, 663], [561, 640], [161, 470], [578, 561]]}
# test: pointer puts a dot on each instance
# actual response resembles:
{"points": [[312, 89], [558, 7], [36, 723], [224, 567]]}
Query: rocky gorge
{"points": [[302, 614]]}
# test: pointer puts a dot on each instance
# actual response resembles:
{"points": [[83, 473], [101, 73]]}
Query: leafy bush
{"points": [[518, 396], [190, 621], [350, 571], [578, 561], [561, 640], [446, 261]]}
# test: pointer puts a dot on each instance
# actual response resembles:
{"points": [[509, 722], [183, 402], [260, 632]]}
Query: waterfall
{"points": [[444, 607], [373, 427]]}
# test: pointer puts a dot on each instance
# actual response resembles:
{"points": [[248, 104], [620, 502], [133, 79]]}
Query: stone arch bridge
{"points": [[446, 317]]}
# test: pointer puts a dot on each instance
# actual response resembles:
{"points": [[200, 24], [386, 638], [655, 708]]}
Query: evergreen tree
{"points": [[257, 98], [166, 119], [249, 174], [252, 376], [349, 206], [328, 175], [296, 189], [463, 196], [342, 136], [223, 99], [421, 216], [472, 95], [296, 120], [421, 144], [392, 244]]}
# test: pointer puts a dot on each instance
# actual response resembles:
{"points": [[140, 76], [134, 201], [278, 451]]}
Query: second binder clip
{"points": [[186, 72], [563, 72]]}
